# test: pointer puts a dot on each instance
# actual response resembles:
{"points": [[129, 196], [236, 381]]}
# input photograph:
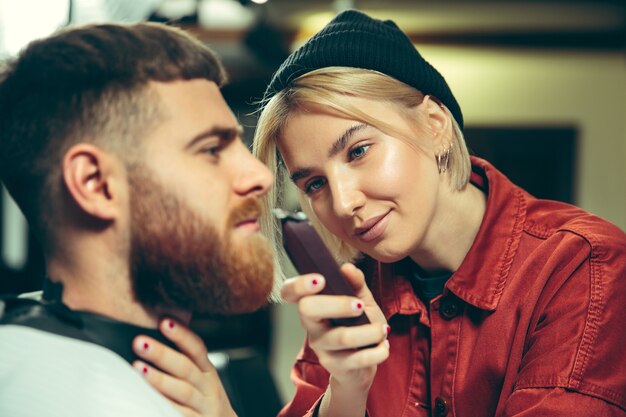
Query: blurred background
{"points": [[542, 85]]}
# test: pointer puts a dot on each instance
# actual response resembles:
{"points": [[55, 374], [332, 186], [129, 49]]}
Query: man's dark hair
{"points": [[86, 84]]}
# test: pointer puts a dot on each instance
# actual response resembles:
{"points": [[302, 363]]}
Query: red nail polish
{"points": [[145, 370], [314, 282], [146, 346], [359, 306], [170, 324]]}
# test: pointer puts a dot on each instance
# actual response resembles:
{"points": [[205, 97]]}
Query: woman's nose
{"points": [[347, 197]]}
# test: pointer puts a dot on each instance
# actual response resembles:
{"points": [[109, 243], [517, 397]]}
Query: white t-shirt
{"points": [[44, 374]]}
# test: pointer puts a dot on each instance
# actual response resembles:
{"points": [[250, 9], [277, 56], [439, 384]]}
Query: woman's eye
{"points": [[358, 152], [314, 186]]}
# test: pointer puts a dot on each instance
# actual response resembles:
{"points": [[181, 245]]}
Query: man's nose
{"points": [[254, 178]]}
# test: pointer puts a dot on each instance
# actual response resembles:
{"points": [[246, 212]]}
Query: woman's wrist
{"points": [[345, 399], [356, 387]]}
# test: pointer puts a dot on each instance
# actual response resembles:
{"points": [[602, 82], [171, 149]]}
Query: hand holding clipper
{"points": [[309, 255]]}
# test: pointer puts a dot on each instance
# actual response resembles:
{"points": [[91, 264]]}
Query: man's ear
{"points": [[438, 121], [92, 178]]}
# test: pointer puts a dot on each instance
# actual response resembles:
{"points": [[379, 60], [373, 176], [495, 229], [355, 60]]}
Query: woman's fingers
{"points": [[356, 278], [169, 360], [316, 311], [348, 338], [315, 308], [184, 411], [187, 342], [187, 399], [350, 354], [187, 378], [354, 360], [322, 307], [173, 388], [293, 289]]}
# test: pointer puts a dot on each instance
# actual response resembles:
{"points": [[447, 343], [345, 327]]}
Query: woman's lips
{"points": [[373, 228]]}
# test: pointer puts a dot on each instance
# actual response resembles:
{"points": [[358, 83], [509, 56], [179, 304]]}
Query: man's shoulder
{"points": [[26, 349], [31, 312], [43, 373]]}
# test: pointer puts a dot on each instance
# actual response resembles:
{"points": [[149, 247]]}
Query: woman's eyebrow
{"points": [[340, 143], [337, 147], [299, 174]]}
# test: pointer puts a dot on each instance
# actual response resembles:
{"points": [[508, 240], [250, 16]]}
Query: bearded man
{"points": [[117, 145]]}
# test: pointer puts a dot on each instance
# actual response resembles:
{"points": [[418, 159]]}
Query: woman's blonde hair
{"points": [[334, 87]]}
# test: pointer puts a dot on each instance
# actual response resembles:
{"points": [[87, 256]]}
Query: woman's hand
{"points": [[350, 354], [188, 379]]}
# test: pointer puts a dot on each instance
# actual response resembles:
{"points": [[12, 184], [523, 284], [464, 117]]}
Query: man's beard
{"points": [[178, 261]]}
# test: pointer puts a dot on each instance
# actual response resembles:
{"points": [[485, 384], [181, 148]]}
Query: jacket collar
{"points": [[481, 278]]}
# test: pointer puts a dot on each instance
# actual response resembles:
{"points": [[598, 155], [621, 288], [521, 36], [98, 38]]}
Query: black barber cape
{"points": [[51, 315]]}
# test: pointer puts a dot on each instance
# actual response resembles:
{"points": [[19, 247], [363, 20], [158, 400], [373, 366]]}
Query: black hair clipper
{"points": [[309, 255]]}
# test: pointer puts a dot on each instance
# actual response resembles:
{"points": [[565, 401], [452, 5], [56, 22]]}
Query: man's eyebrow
{"points": [[224, 133], [340, 143]]}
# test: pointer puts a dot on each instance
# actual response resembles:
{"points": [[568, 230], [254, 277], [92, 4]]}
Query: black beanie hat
{"points": [[353, 39]]}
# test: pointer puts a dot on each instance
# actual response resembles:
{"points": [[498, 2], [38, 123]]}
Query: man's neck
{"points": [[104, 288]]}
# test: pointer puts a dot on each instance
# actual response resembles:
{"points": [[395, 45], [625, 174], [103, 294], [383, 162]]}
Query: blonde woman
{"points": [[498, 303], [483, 300]]}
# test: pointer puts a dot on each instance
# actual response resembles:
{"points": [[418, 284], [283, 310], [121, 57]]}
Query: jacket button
{"points": [[449, 307], [441, 407]]}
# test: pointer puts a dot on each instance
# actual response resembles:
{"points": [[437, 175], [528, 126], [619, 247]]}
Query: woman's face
{"points": [[373, 191]]}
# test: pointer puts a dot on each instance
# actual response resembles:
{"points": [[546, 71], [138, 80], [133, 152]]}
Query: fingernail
{"points": [[386, 329], [387, 343], [357, 305], [171, 324], [314, 282], [145, 346], [142, 368]]}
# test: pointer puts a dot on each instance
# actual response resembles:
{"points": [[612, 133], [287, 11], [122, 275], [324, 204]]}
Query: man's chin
{"points": [[211, 305], [241, 305], [249, 307]]}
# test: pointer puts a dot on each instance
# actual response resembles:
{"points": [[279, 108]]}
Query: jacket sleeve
{"points": [[574, 361], [311, 381]]}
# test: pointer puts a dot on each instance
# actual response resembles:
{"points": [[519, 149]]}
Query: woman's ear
{"points": [[438, 121], [91, 177]]}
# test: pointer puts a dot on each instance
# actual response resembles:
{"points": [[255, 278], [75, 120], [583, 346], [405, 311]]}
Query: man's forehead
{"points": [[188, 90], [193, 106]]}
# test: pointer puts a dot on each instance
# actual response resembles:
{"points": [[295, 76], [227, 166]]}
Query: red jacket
{"points": [[533, 323]]}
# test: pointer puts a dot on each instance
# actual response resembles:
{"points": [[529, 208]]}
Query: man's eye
{"points": [[358, 152], [212, 150], [314, 186]]}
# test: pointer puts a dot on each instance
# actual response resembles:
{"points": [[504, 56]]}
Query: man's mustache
{"points": [[248, 209]]}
